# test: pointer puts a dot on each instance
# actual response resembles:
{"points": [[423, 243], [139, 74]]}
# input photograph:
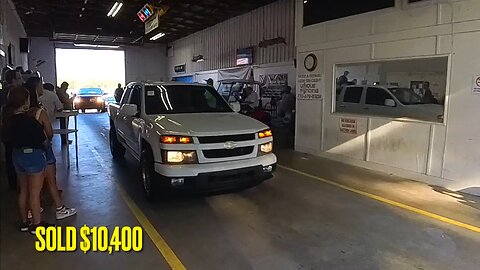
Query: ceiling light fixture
{"points": [[157, 36], [96, 46], [115, 9]]}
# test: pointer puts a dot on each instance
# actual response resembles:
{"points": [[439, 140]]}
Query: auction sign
{"points": [[274, 84]]}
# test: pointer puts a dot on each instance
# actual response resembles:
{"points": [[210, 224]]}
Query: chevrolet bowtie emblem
{"points": [[230, 145]]}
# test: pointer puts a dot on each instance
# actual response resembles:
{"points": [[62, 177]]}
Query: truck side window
{"points": [[126, 95], [353, 94], [135, 96], [377, 96]]}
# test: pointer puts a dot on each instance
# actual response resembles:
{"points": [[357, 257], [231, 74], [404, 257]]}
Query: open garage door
{"points": [[90, 68]]}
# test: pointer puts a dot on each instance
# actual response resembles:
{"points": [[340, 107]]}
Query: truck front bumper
{"points": [[217, 176]]}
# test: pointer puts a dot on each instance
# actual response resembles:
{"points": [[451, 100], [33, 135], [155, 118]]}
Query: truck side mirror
{"points": [[390, 103], [129, 110]]}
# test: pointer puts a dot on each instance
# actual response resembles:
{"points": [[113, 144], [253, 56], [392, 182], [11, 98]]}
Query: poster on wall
{"points": [[348, 126], [274, 84], [476, 84]]}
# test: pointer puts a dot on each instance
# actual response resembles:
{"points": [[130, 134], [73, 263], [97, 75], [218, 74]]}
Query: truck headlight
{"points": [[179, 157], [266, 148], [77, 100], [99, 99]]}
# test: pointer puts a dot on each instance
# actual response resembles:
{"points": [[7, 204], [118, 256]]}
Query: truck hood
{"points": [[206, 124]]}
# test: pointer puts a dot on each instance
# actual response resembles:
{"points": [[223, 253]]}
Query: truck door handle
{"points": [[341, 106], [366, 108]]}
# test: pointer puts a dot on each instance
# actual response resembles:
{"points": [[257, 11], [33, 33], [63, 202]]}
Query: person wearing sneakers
{"points": [[28, 138], [35, 87]]}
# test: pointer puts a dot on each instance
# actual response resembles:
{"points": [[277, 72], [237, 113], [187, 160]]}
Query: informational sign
{"points": [[348, 125], [309, 86], [145, 12], [274, 84], [152, 24], [180, 68], [476, 84]]}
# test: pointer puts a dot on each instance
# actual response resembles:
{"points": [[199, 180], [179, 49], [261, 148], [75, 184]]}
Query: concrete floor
{"points": [[290, 222]]}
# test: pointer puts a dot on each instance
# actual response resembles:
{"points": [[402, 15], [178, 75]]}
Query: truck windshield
{"points": [[90, 91], [173, 99]]}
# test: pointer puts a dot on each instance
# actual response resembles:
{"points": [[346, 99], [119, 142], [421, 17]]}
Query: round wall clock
{"points": [[310, 62]]}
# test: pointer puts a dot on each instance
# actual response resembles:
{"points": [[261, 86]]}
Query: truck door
{"points": [[119, 119], [132, 122]]}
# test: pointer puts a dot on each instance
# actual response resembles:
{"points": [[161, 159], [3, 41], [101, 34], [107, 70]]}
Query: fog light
{"points": [[266, 148], [177, 181], [268, 169]]}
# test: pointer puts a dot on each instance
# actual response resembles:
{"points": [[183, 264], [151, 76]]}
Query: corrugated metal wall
{"points": [[218, 44]]}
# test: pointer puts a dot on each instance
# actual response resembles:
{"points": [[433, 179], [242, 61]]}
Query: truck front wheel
{"points": [[149, 176], [116, 148]]}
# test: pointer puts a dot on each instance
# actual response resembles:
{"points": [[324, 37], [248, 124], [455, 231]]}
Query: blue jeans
{"points": [[28, 160]]}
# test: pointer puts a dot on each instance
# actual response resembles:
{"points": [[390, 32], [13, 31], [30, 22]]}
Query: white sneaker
{"points": [[29, 214], [65, 212]]}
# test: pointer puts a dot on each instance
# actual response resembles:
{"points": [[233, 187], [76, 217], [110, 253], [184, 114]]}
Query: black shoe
{"points": [[24, 225], [33, 227]]}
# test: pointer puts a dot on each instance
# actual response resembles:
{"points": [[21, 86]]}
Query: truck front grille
{"points": [[223, 153], [227, 138]]}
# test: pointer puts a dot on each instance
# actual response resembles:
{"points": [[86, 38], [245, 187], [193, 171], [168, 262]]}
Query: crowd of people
{"points": [[27, 112]]}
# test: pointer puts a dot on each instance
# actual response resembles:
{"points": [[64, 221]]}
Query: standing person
{"points": [[343, 80], [67, 105], [287, 102], [48, 99], [209, 81], [27, 137], [251, 100], [35, 87], [13, 79], [118, 93], [49, 87], [428, 97]]}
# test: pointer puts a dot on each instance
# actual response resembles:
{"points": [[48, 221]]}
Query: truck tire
{"points": [[116, 148], [149, 176]]}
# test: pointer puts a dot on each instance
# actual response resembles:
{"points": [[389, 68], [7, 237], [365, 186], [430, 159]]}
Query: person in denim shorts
{"points": [[27, 137], [35, 87]]}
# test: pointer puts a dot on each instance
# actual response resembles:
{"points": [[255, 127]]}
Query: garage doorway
{"points": [[90, 68]]}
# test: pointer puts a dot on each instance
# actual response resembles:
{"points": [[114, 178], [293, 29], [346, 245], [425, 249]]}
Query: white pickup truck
{"points": [[186, 136]]}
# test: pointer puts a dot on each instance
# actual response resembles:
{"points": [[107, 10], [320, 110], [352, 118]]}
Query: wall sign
{"points": [[274, 84], [309, 86], [348, 126], [476, 84], [152, 23], [180, 68]]}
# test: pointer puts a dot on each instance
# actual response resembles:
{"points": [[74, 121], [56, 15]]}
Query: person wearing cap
{"points": [[209, 82]]}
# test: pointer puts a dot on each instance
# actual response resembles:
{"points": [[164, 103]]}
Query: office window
{"points": [[326, 10]]}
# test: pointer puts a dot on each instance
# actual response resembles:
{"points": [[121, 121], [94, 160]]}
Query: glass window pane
{"points": [[353, 94]]}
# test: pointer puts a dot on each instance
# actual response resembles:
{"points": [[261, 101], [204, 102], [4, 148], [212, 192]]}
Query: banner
{"points": [[274, 84]]}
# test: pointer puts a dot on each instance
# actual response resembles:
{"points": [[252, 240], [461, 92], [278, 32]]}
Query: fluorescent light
{"points": [[115, 9], [2, 53], [157, 36], [96, 46]]}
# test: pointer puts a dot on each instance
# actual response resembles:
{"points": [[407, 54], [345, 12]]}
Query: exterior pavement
{"points": [[290, 222]]}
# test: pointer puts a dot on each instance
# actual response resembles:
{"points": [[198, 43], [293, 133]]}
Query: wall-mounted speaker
{"points": [[24, 45]]}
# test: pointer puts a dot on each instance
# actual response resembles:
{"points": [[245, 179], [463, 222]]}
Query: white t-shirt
{"points": [[51, 103], [252, 100]]}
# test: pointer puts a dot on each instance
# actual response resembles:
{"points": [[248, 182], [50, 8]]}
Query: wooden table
{"points": [[67, 114]]}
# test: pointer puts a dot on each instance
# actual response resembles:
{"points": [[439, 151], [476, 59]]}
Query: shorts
{"points": [[28, 160], [49, 155]]}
